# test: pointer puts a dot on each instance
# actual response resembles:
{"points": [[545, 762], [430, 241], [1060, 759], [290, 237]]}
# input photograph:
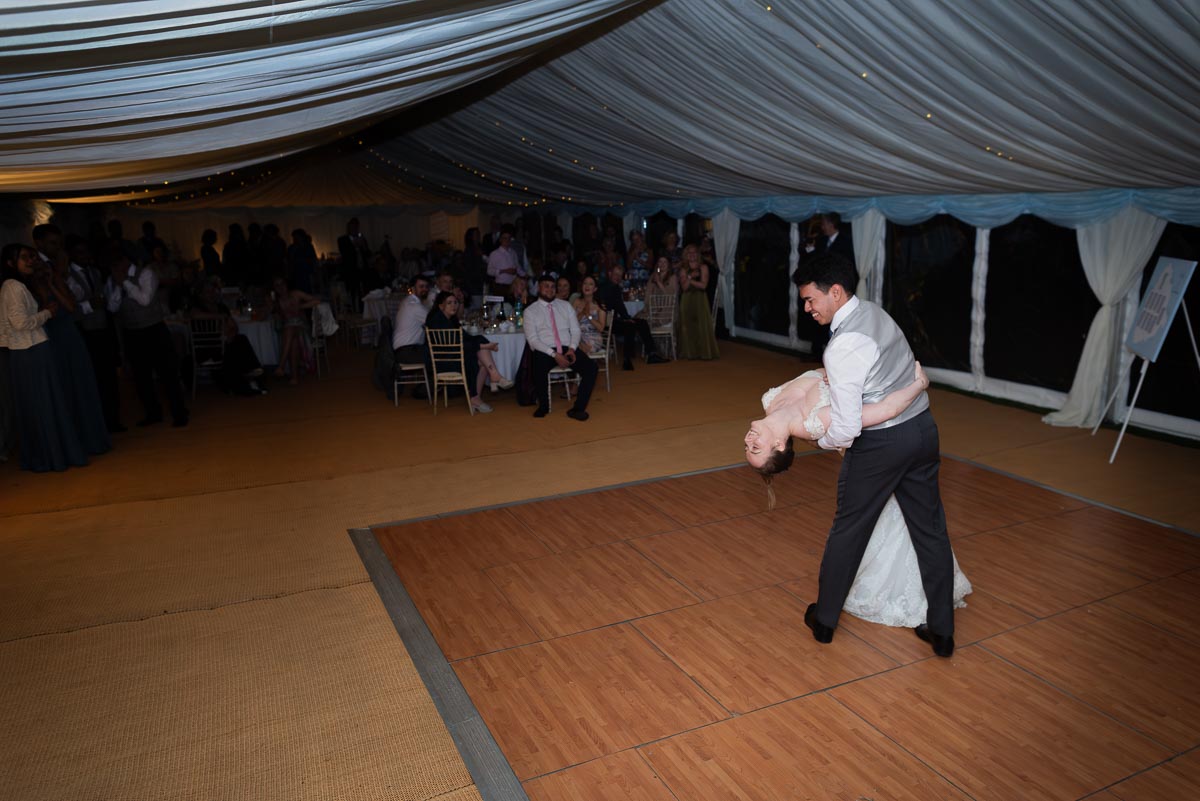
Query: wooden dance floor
{"points": [[648, 643]]}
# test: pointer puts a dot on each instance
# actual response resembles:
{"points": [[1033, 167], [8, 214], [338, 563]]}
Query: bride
{"points": [[887, 588]]}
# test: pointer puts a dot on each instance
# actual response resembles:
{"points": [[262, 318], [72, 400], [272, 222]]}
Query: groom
{"points": [[868, 357]]}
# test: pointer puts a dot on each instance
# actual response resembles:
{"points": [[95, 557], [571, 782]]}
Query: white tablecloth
{"points": [[264, 339], [374, 308], [508, 358]]}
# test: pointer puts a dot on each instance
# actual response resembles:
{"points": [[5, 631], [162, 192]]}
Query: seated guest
{"points": [[519, 294], [552, 331], [44, 425], [240, 368], [477, 350], [133, 297], [662, 283], [628, 328], [408, 333], [562, 288], [290, 305], [591, 318]]}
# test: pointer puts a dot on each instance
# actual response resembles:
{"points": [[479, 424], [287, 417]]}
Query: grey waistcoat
{"points": [[895, 366], [134, 315]]}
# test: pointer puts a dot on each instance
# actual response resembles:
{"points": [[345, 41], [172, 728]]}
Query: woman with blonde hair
{"points": [[694, 321]]}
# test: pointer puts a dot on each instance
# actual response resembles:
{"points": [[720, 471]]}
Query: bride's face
{"points": [[760, 443]]}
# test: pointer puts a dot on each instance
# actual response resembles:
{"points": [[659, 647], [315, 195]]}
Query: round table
{"points": [[508, 357], [264, 339]]}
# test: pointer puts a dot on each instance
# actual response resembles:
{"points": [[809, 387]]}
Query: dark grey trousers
{"points": [[901, 460]]}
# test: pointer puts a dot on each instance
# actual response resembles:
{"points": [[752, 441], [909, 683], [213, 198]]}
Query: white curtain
{"points": [[1113, 254], [979, 273], [726, 226], [869, 232]]}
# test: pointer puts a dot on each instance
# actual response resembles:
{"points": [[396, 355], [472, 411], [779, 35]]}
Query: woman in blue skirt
{"points": [[46, 432]]}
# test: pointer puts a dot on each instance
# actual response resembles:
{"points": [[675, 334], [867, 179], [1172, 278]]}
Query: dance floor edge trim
{"points": [[489, 768]]}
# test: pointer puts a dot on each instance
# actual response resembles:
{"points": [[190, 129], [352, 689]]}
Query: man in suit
{"points": [[866, 359], [610, 297], [832, 240], [355, 256]]}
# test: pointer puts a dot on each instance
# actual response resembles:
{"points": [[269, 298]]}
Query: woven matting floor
{"points": [[187, 618]]}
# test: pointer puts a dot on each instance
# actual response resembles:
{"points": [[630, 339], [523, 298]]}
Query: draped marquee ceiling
{"points": [[600, 102]]}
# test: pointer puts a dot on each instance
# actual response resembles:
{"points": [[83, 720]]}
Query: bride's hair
{"points": [[777, 462]]}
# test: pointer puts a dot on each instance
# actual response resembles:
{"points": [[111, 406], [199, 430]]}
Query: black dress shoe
{"points": [[821, 633], [654, 358], [942, 646], [540, 412], [577, 414]]}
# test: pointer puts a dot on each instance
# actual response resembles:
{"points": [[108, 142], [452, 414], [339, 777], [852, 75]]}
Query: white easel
{"points": [[1155, 314]]}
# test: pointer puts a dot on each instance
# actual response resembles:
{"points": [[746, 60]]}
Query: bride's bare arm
{"points": [[892, 405]]}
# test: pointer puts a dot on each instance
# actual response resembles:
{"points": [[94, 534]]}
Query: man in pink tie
{"points": [[552, 331]]}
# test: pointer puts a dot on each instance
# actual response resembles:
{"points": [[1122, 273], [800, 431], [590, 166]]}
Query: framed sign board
{"points": [[1159, 306]]}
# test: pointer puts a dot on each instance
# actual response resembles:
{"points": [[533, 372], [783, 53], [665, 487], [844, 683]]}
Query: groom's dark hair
{"points": [[825, 270], [777, 462]]}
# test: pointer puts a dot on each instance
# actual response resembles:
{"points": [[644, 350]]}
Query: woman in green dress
{"points": [[696, 337]]}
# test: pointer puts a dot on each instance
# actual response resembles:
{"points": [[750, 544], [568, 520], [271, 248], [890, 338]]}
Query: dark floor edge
{"points": [[493, 776]]}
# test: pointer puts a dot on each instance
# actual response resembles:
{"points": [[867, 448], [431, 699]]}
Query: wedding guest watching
{"points": [[625, 326], [591, 317], [696, 337], [408, 333], [303, 268], [210, 260], [562, 288], [290, 305], [504, 266], [553, 334], [96, 325], [149, 241], [235, 257], [663, 282], [132, 294], [240, 367], [44, 426], [477, 350]]}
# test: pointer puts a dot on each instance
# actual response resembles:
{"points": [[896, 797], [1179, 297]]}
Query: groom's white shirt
{"points": [[848, 360]]}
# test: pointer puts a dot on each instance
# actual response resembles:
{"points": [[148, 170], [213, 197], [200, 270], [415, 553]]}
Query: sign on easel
{"points": [[1156, 312], [1159, 305]]}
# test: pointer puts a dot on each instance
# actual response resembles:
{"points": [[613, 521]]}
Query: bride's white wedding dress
{"points": [[887, 588]]}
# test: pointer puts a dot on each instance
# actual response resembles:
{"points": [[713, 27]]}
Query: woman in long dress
{"points": [[696, 337], [887, 588]]}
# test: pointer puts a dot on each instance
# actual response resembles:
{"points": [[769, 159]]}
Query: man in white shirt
{"points": [[867, 358], [408, 335], [504, 265], [552, 332], [132, 294]]}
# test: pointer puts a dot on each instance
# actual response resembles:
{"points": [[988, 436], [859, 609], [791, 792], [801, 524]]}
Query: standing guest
{"points": [[696, 337], [167, 271], [355, 256], [609, 257], [44, 426], [474, 263], [629, 328], [639, 259], [552, 332], [290, 305], [95, 323], [210, 260], [671, 249], [235, 257], [149, 241], [302, 261], [67, 347], [591, 317], [273, 251], [132, 292], [503, 266]]}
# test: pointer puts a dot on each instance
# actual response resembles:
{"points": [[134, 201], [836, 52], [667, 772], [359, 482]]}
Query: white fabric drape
{"points": [[726, 226], [869, 232], [109, 92], [979, 273], [1113, 254]]}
